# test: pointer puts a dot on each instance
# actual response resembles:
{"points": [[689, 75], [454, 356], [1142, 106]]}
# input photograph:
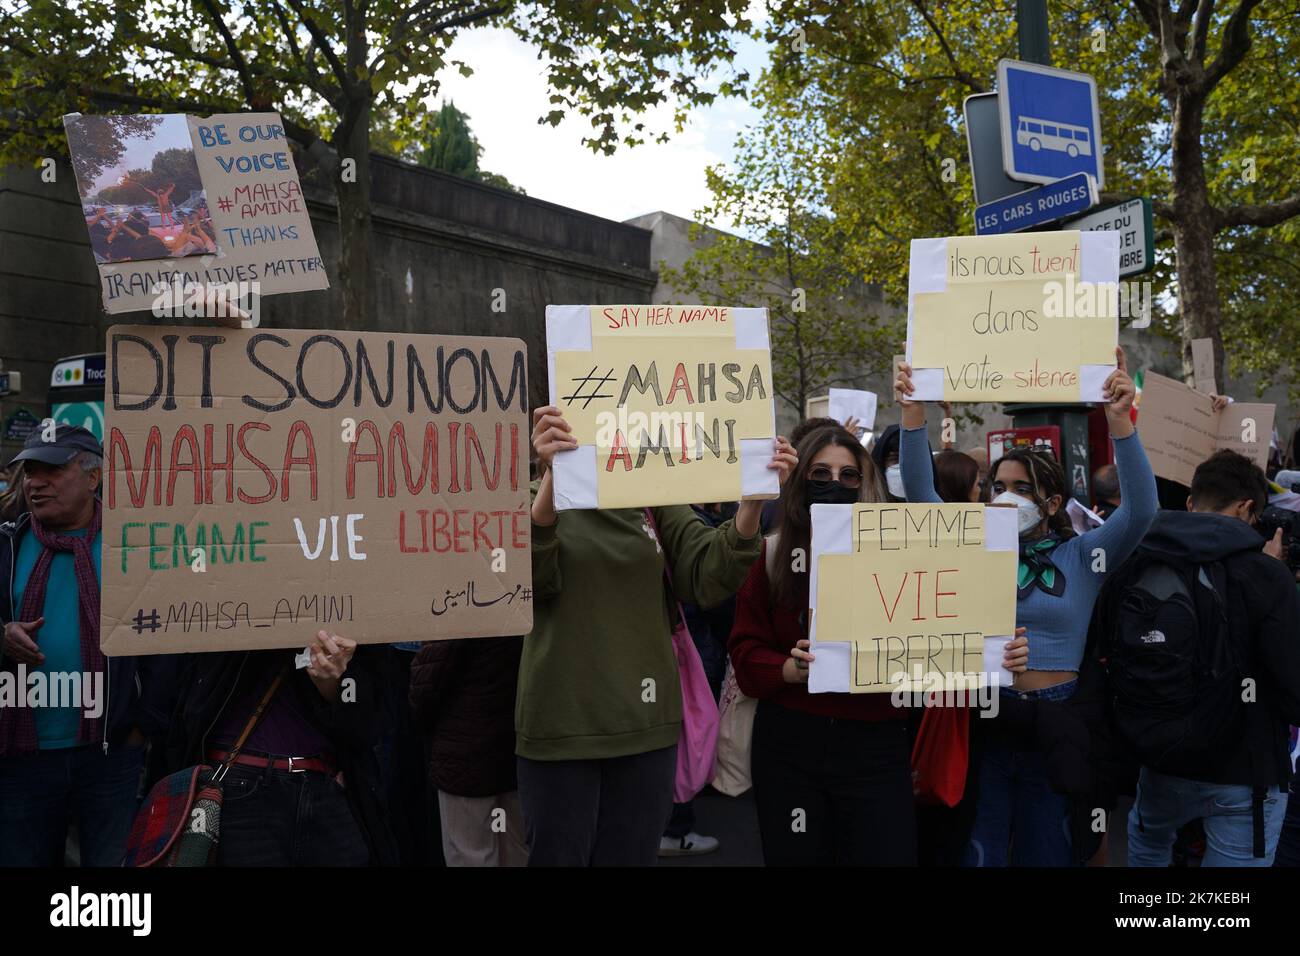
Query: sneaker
{"points": [[690, 845]]}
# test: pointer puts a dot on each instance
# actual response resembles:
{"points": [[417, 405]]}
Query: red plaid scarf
{"points": [[18, 724]]}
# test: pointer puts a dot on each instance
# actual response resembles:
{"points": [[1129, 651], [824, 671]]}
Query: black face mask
{"points": [[832, 492]]}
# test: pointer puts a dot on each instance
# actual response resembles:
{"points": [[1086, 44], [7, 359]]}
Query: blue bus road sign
{"points": [[1065, 197], [1051, 125]]}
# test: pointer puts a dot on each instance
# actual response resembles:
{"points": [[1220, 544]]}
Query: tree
{"points": [[102, 141], [822, 334], [334, 68], [1187, 109], [450, 146]]}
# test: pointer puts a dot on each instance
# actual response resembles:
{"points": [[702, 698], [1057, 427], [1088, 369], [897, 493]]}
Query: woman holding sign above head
{"points": [[832, 774], [599, 708], [1031, 752]]}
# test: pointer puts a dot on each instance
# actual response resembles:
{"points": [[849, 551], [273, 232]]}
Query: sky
{"points": [[508, 92]]}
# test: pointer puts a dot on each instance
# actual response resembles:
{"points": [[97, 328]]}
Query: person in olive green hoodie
{"points": [[599, 707]]}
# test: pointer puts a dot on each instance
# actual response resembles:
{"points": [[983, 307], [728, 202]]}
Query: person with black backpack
{"points": [[1204, 667]]}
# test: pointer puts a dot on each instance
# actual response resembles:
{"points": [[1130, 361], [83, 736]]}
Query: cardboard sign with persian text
{"points": [[260, 486], [179, 207], [1180, 428], [669, 404], [915, 597], [1013, 318]]}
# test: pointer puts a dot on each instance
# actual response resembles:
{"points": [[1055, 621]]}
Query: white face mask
{"points": [[894, 480], [1028, 514]]}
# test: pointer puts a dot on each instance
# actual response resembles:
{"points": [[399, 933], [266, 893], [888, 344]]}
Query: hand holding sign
{"points": [[551, 434], [783, 460], [1119, 392], [1015, 656], [330, 656], [795, 668], [913, 412]]}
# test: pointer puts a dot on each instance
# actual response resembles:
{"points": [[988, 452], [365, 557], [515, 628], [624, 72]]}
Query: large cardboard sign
{"points": [[669, 404], [1180, 428], [262, 485], [1013, 318], [179, 205], [910, 596]]}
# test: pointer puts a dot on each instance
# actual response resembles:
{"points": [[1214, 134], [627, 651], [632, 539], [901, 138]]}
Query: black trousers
{"points": [[279, 818], [597, 812], [831, 791]]}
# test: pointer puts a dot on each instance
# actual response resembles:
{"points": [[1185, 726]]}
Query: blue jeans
{"points": [[1165, 803], [41, 794], [1019, 819], [286, 818]]}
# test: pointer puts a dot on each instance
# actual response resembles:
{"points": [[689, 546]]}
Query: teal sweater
{"points": [[1057, 627]]}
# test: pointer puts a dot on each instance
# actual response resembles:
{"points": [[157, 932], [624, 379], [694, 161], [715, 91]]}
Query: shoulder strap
{"points": [[253, 721]]}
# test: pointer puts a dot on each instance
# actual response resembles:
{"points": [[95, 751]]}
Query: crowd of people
{"points": [[1156, 654], [131, 237]]}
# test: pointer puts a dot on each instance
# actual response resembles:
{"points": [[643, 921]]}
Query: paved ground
{"points": [[732, 820]]}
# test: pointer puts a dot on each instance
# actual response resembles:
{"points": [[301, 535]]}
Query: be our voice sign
{"points": [[216, 135]]}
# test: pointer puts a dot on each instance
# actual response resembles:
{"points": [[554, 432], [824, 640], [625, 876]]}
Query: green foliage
{"points": [[884, 84], [825, 327], [449, 145]]}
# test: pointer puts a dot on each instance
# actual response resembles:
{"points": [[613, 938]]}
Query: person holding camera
{"points": [[1204, 665]]}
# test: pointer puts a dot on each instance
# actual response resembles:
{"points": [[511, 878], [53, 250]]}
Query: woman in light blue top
{"points": [[1060, 575]]}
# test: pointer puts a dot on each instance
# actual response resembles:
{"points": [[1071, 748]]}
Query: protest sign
{"points": [[911, 595], [1203, 366], [1013, 318], [669, 404], [182, 208], [261, 486], [1180, 428]]}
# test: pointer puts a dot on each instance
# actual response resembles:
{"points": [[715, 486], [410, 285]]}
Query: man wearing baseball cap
{"points": [[77, 754]]}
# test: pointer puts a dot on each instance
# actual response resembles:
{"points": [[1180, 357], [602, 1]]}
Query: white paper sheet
{"points": [[855, 403], [755, 477], [575, 473]]}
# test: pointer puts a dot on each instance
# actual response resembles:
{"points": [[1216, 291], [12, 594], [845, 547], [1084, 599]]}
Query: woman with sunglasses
{"points": [[1059, 578], [832, 772]]}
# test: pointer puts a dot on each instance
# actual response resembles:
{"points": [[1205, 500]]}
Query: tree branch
{"points": [[1204, 13], [321, 41], [1173, 61], [236, 56], [1263, 214], [1235, 45], [965, 77]]}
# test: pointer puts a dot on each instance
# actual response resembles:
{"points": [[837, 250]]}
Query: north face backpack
{"points": [[1175, 669]]}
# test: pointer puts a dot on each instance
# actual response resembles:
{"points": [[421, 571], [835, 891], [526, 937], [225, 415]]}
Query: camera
{"points": [[1289, 521]]}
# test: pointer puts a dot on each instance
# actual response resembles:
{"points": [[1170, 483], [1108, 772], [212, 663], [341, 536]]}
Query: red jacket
{"points": [[761, 640]]}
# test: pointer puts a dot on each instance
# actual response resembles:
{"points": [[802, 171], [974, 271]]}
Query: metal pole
{"points": [[1031, 23]]}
